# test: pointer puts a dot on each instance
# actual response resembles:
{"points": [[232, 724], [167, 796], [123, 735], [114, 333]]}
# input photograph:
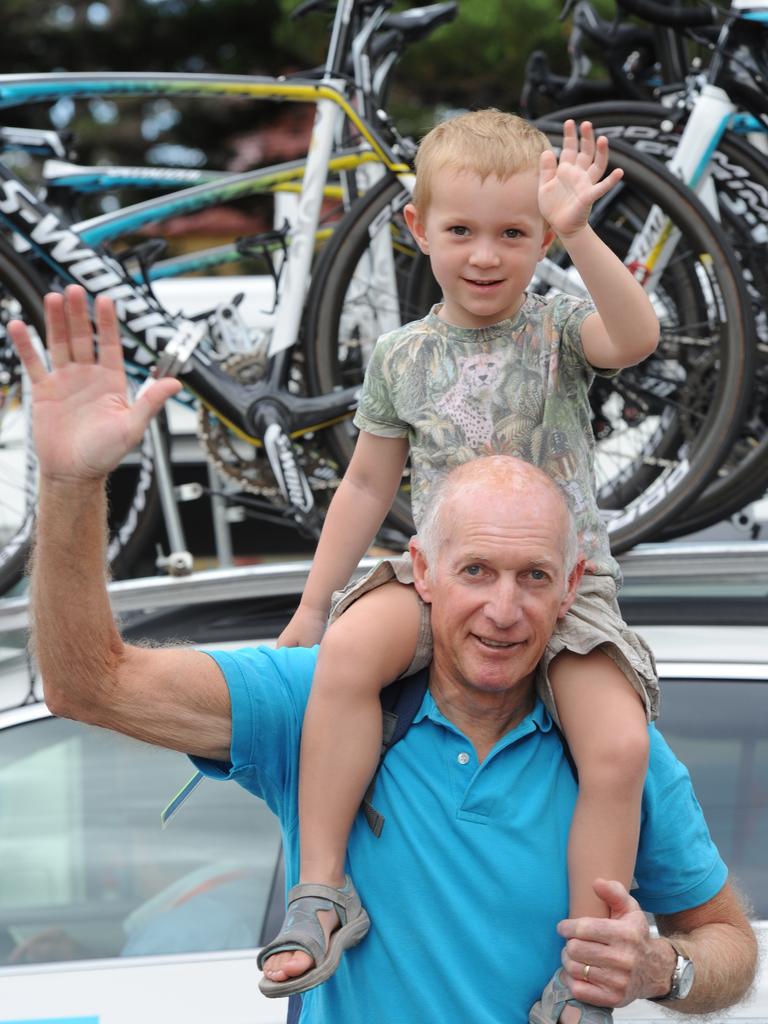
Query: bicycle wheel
{"points": [[133, 499], [663, 427], [352, 301], [740, 176]]}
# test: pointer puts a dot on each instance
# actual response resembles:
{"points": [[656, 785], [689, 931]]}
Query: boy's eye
{"points": [[512, 233], [459, 229]]}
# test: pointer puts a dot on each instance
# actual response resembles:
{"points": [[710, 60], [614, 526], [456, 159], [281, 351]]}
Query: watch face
{"points": [[686, 980]]}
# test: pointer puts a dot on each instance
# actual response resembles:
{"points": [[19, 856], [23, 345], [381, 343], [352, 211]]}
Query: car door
{"points": [[104, 915]]}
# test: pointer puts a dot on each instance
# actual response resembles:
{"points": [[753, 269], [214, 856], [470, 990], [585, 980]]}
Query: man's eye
{"points": [[473, 570], [538, 574]]}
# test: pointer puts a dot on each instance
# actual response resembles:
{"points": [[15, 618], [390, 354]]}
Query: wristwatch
{"points": [[682, 978]]}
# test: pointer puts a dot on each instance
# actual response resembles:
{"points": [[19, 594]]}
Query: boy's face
{"points": [[483, 239]]}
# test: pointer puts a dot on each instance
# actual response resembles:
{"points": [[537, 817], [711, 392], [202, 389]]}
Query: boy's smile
{"points": [[484, 239]]}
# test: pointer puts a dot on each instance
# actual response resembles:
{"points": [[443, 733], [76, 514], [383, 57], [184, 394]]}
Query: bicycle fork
{"points": [[657, 240], [289, 475]]}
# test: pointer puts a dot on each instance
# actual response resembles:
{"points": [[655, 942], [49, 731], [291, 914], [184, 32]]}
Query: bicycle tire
{"points": [[134, 513], [741, 181], [371, 316], [660, 478]]}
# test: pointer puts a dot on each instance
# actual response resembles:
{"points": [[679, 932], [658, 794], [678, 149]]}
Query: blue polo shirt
{"points": [[468, 880]]}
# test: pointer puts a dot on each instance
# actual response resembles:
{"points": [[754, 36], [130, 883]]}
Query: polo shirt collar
{"points": [[539, 718]]}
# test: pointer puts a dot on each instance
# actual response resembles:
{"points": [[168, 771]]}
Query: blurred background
{"points": [[477, 60]]}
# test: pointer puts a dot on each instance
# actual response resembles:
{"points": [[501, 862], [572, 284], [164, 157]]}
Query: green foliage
{"points": [[169, 35], [479, 59]]}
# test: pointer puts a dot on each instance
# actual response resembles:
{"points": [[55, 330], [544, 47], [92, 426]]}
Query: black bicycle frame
{"points": [[39, 229]]}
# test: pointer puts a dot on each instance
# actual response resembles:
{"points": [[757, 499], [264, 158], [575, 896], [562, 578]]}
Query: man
{"points": [[467, 882]]}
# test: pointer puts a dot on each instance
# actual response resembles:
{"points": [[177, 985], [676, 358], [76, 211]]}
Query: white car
{"points": [[105, 918]]}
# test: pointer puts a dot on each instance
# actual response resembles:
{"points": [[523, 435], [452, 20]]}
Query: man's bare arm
{"points": [[719, 940], [172, 697], [83, 424], [627, 962]]}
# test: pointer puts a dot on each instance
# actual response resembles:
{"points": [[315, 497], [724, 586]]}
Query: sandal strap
{"points": [[557, 996], [301, 928], [344, 901]]}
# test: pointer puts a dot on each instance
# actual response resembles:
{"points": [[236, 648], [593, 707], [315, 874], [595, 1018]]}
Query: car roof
{"points": [[694, 602]]}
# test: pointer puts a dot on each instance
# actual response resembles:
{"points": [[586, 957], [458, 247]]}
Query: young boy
{"points": [[490, 369]]}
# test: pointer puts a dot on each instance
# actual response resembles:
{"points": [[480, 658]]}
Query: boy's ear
{"points": [[416, 227], [549, 236]]}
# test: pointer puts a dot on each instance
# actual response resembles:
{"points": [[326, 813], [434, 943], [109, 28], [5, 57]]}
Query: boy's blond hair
{"points": [[484, 142]]}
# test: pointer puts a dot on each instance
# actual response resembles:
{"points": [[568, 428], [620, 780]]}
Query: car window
{"points": [[87, 870], [718, 729]]}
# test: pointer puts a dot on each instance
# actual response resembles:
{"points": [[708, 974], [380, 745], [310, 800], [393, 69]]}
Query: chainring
{"points": [[245, 463]]}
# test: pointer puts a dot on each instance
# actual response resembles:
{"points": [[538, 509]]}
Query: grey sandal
{"points": [[556, 997], [302, 930]]}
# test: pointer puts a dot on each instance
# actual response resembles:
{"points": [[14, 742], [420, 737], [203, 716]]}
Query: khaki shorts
{"points": [[593, 621]]}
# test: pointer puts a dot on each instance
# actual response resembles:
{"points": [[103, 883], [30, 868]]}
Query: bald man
{"points": [[467, 884]]}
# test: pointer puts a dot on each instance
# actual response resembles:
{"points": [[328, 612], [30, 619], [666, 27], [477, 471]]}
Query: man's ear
{"points": [[574, 579], [420, 571], [549, 236], [416, 227]]}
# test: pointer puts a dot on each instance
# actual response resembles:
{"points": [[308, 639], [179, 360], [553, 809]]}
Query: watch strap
{"points": [[677, 972]]}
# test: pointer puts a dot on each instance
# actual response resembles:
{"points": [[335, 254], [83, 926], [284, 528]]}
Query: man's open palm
{"points": [[83, 420]]}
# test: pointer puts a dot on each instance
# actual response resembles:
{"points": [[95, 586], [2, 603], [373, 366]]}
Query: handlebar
{"points": [[672, 17]]}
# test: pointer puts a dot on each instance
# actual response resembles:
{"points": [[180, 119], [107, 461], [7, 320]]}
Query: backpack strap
{"points": [[400, 702], [294, 1009]]}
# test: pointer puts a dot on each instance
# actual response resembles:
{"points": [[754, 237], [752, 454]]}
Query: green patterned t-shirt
{"points": [[518, 388]]}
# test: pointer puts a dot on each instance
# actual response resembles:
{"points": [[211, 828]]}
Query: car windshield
{"points": [[718, 729], [89, 872]]}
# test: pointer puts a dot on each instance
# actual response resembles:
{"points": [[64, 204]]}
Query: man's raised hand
{"points": [[83, 420], [568, 187]]}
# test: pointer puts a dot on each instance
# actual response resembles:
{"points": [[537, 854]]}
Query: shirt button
{"points": [[463, 758]]}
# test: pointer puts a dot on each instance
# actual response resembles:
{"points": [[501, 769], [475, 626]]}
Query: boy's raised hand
{"points": [[568, 187], [83, 420]]}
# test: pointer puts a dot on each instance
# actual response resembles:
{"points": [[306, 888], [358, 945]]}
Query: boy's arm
{"points": [[358, 509], [625, 329]]}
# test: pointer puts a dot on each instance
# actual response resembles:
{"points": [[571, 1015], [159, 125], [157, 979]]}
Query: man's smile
{"points": [[497, 644]]}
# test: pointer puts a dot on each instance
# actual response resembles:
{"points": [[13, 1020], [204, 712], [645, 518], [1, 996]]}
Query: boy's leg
{"points": [[604, 723], [369, 646]]}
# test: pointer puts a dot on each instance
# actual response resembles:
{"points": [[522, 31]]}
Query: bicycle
{"points": [[647, 463], [62, 248], [637, 59], [701, 133]]}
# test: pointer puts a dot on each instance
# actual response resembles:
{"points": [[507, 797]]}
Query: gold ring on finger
{"points": [[585, 973]]}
